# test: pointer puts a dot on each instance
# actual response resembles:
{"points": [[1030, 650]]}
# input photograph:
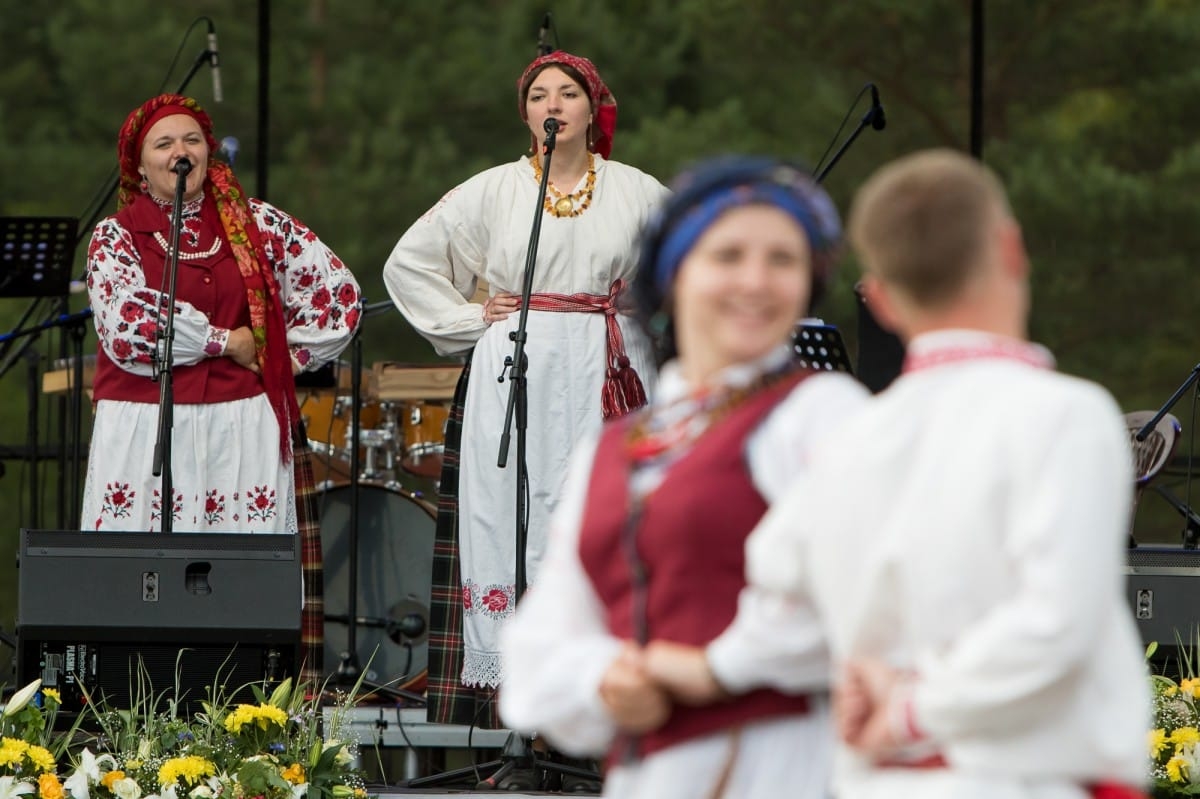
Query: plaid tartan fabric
{"points": [[308, 520], [449, 701]]}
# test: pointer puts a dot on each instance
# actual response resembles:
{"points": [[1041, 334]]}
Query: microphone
{"points": [[878, 120], [182, 167], [214, 62], [550, 125], [229, 149], [543, 32]]}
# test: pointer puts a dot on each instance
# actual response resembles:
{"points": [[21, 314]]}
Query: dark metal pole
{"points": [[264, 94], [977, 14]]}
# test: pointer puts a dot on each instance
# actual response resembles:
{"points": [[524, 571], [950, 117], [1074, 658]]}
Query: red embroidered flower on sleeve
{"points": [[131, 311], [347, 296]]}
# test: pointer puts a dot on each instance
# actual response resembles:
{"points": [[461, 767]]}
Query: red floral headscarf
{"points": [[242, 235], [604, 105]]}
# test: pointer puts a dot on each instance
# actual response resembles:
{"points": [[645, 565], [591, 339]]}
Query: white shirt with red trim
{"points": [[971, 525]]}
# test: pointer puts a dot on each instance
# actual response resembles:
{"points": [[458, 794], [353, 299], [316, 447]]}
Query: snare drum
{"points": [[327, 421], [424, 437]]}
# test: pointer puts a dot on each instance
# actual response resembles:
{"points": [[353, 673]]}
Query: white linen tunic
{"points": [[557, 647], [970, 525], [481, 229], [226, 468]]}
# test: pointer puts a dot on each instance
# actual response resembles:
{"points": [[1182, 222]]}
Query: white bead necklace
{"points": [[188, 256]]}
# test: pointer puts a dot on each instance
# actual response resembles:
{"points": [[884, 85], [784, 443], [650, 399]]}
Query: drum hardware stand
{"points": [[517, 752], [349, 671]]}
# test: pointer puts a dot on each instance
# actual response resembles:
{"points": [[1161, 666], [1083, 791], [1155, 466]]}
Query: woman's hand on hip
{"points": [[498, 307]]}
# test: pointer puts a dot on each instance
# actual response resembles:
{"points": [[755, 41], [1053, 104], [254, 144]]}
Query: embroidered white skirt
{"points": [[227, 474]]}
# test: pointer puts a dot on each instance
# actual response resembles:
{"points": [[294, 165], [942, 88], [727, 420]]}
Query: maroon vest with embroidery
{"points": [[212, 285], [690, 543]]}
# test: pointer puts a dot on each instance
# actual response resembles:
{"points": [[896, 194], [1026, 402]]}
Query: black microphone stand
{"points": [[349, 671], [1170, 403], [164, 353], [1191, 531], [517, 365], [874, 117], [76, 323]]}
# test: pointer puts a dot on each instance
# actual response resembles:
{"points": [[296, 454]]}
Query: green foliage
{"points": [[377, 107]]}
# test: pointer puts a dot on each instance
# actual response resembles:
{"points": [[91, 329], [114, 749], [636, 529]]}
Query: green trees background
{"points": [[377, 107]]}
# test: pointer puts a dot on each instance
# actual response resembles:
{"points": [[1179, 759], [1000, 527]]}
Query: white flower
{"points": [[300, 791], [87, 773], [21, 698], [201, 792], [10, 788], [169, 792], [1191, 759], [127, 788]]}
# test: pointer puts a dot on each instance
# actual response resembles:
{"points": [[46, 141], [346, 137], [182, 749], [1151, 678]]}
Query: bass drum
{"points": [[395, 557]]}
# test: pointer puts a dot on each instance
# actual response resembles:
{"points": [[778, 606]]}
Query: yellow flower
{"points": [[41, 758], [1157, 741], [50, 693], [190, 769], [111, 777], [1184, 736], [12, 751], [1191, 687], [261, 715], [50, 788], [294, 774], [1177, 769]]}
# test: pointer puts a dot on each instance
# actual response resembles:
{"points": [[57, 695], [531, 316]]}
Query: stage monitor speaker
{"points": [[191, 607], [1163, 588]]}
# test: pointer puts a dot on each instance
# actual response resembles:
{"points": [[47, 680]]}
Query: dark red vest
{"points": [[690, 541], [212, 285]]}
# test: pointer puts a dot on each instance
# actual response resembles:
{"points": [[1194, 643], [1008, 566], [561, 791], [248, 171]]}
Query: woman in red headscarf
{"points": [[258, 298], [586, 361]]}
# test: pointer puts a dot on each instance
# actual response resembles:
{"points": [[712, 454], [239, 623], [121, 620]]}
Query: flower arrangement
{"points": [[1174, 740], [274, 748]]}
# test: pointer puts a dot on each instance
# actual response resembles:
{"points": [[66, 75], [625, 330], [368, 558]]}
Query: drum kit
{"points": [[402, 420]]}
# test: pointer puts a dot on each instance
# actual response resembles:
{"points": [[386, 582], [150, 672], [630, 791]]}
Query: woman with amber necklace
{"points": [[586, 360]]}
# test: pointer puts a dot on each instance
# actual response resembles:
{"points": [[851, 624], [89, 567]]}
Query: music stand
{"points": [[35, 261], [820, 347], [35, 255]]}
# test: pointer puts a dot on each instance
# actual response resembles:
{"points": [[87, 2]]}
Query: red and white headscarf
{"points": [[604, 105]]}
